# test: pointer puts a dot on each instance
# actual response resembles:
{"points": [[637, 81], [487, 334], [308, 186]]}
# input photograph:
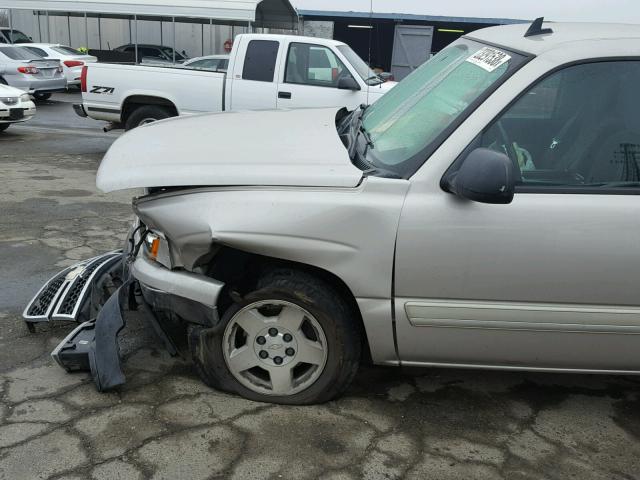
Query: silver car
{"points": [[482, 214], [213, 63], [26, 70]]}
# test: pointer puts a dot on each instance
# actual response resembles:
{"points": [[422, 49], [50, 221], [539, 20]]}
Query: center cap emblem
{"points": [[275, 346], [73, 274]]}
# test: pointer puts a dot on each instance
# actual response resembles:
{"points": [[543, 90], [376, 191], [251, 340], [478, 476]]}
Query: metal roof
{"points": [[262, 13], [407, 17]]}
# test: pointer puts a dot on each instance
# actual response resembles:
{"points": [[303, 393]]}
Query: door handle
{"points": [[284, 95]]}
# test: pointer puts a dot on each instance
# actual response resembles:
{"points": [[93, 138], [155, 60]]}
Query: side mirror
{"points": [[347, 82], [485, 176]]}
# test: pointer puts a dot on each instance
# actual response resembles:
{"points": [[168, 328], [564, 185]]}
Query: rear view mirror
{"points": [[348, 83], [485, 176]]}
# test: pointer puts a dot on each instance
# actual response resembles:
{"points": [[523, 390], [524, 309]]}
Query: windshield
{"points": [[66, 50], [16, 36], [410, 119], [19, 53], [360, 65]]}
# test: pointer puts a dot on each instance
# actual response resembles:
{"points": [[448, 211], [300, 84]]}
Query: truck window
{"points": [[260, 60], [313, 65], [583, 134]]}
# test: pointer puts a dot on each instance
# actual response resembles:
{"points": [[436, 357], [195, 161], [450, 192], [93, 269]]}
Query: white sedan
{"points": [[71, 59], [15, 106], [214, 63]]}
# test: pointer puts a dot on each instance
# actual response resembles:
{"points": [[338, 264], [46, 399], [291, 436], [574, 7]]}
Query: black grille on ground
{"points": [[40, 306], [73, 295]]}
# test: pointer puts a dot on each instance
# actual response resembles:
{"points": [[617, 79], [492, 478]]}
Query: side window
{"points": [[313, 65], [577, 128], [260, 60]]}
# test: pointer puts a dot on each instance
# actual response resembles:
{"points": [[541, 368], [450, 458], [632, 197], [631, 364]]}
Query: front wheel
{"points": [[146, 114], [4, 126], [293, 341]]}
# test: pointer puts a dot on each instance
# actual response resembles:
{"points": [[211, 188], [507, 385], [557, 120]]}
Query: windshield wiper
{"points": [[367, 138]]}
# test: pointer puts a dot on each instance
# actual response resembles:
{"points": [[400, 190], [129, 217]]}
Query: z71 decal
{"points": [[103, 90]]}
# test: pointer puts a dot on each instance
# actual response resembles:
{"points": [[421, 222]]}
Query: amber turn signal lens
{"points": [[155, 246]]}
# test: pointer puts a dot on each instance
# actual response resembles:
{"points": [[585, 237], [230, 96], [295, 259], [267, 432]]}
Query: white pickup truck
{"points": [[265, 72]]}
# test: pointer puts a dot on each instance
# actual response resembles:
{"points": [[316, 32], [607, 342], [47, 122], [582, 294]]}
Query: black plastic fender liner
{"points": [[104, 352]]}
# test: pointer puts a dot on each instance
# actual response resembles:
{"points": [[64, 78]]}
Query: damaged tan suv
{"points": [[482, 214]]}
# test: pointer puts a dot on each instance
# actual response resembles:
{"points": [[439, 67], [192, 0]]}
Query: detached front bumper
{"points": [[93, 345]]}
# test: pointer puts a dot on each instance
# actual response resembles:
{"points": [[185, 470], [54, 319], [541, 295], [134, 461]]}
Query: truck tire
{"points": [[293, 340], [3, 81], [146, 114], [41, 97], [4, 126]]}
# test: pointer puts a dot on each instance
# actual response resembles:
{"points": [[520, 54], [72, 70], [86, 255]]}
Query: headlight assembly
{"points": [[9, 100], [156, 248]]}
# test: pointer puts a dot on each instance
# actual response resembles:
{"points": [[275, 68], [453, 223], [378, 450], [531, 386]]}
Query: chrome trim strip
{"points": [[523, 316], [519, 368]]}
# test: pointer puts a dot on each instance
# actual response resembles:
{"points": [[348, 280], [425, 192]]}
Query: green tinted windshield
{"points": [[411, 117]]}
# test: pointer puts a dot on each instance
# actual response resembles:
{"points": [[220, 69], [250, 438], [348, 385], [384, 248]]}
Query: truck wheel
{"points": [[41, 97], [293, 341], [147, 114], [4, 126]]}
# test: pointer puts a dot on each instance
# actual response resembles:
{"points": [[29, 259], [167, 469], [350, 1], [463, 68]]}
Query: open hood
{"points": [[270, 148]]}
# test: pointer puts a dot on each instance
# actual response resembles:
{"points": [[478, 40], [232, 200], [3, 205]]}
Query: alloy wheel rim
{"points": [[275, 347]]}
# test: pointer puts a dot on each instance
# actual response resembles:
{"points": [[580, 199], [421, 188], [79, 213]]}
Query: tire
{"points": [[4, 126], [3, 81], [146, 114], [328, 322], [41, 97]]}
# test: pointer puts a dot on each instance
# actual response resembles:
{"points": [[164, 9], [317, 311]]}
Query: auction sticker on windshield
{"points": [[489, 58]]}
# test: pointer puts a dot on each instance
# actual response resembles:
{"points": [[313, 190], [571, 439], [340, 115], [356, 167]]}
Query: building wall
{"points": [[317, 28], [106, 33]]}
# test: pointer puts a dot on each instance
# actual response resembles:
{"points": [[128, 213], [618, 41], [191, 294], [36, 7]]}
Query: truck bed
{"points": [[191, 91]]}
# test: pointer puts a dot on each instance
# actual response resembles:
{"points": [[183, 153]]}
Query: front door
{"points": [[311, 77], [550, 280]]}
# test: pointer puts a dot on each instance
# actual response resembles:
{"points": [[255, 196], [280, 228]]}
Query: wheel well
{"points": [[135, 101], [240, 272]]}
